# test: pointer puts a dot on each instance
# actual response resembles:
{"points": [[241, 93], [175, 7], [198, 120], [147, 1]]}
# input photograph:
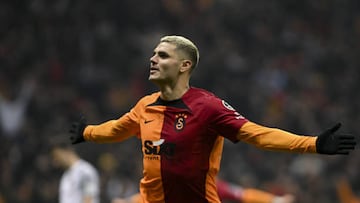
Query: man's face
{"points": [[165, 64]]}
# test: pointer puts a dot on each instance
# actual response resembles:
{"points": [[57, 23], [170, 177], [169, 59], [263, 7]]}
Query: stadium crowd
{"points": [[290, 64]]}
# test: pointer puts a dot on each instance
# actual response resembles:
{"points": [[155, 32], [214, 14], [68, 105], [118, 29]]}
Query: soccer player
{"points": [[80, 181], [182, 130], [232, 192]]}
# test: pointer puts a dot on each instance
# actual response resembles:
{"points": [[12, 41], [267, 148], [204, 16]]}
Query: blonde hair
{"points": [[186, 46]]}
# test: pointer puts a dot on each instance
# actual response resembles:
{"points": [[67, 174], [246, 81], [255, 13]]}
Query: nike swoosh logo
{"points": [[148, 121]]}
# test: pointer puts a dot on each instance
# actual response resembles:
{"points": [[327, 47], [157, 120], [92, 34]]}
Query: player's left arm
{"points": [[328, 142]]}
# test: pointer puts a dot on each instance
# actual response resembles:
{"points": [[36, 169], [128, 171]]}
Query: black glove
{"points": [[77, 130], [330, 143]]}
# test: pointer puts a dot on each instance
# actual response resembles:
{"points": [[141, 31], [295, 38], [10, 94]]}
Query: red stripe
{"points": [[184, 173]]}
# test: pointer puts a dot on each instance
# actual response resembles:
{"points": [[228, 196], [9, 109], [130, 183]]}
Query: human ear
{"points": [[185, 65]]}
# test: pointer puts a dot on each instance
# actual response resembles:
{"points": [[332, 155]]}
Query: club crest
{"points": [[180, 121]]}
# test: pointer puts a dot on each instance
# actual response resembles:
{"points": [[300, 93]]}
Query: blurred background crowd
{"points": [[287, 64]]}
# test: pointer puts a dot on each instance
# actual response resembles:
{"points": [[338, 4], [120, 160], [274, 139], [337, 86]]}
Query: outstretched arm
{"points": [[327, 142], [110, 131], [107, 132]]}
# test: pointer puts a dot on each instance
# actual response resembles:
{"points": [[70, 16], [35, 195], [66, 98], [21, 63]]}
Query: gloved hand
{"points": [[330, 143], [77, 130]]}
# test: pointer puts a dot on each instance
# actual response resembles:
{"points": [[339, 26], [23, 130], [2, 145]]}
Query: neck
{"points": [[169, 93]]}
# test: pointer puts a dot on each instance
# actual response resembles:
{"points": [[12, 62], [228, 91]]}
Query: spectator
{"points": [[80, 181]]}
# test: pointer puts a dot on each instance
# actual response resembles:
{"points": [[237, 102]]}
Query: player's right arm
{"points": [[114, 130], [109, 131]]}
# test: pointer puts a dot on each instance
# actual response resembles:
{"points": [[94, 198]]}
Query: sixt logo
{"points": [[159, 147]]}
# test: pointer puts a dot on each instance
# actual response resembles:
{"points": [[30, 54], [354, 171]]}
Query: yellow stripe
{"points": [[214, 165]]}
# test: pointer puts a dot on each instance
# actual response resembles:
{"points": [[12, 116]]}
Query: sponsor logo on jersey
{"points": [[154, 149], [180, 121]]}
